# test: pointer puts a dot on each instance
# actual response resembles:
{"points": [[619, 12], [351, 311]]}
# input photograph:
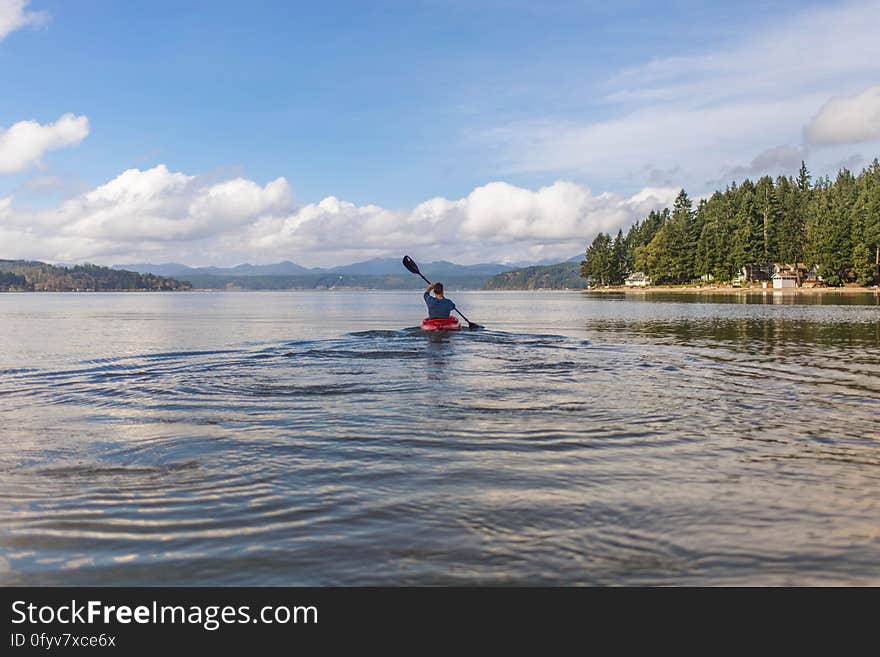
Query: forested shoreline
{"points": [[833, 226], [35, 276], [561, 276]]}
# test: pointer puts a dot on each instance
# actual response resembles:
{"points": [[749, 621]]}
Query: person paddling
{"points": [[438, 305], [447, 323]]}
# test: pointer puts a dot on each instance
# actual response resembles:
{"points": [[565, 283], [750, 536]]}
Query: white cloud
{"points": [[160, 215], [14, 16], [847, 120], [495, 222], [708, 112], [22, 145], [159, 206]]}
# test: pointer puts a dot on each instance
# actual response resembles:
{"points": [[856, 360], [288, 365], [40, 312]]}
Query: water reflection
{"points": [[787, 297], [760, 333], [580, 439]]}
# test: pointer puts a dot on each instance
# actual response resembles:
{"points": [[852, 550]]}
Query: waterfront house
{"points": [[637, 279], [801, 272], [783, 280]]}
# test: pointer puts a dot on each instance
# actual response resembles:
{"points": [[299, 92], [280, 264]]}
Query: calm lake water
{"points": [[311, 438]]}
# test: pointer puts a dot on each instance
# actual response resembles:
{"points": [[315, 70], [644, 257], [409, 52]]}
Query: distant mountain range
{"points": [[285, 268], [376, 267], [378, 273]]}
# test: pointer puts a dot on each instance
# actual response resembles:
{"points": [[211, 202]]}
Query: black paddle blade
{"points": [[410, 264], [473, 326]]}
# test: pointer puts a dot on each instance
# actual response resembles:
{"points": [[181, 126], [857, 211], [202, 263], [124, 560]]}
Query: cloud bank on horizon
{"points": [[804, 89], [157, 214]]}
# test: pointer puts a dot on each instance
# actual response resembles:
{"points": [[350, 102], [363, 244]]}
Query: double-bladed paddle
{"points": [[410, 264]]}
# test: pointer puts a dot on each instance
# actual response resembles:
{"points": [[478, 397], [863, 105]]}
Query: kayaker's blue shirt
{"points": [[438, 307]]}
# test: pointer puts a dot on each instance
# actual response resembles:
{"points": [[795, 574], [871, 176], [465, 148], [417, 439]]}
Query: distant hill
{"points": [[331, 281], [378, 273], [546, 261], [35, 276], [561, 276], [374, 267], [435, 270], [164, 269], [285, 268]]}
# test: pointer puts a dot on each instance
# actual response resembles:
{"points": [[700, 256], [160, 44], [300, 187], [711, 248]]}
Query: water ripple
{"points": [[672, 449]]}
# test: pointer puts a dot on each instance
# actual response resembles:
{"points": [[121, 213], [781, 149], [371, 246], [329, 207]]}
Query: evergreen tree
{"points": [[681, 239], [768, 207], [817, 229], [618, 269], [748, 240], [790, 233], [658, 257], [863, 268], [864, 220], [803, 179], [598, 260], [714, 220]]}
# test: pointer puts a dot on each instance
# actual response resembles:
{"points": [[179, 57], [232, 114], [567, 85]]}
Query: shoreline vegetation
{"points": [[820, 234], [35, 276], [561, 276]]}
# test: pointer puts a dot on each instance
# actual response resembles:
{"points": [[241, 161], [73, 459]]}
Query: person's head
{"points": [[438, 289]]}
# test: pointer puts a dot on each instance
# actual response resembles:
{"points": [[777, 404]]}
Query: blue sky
{"points": [[382, 106]]}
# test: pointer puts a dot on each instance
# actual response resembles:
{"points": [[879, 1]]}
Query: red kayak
{"points": [[441, 324]]}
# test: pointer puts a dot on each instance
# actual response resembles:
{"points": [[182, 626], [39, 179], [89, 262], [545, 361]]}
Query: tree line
{"points": [[834, 225], [561, 276], [31, 276]]}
